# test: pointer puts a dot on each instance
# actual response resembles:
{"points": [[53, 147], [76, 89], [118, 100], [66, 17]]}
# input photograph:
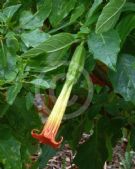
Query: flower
{"points": [[49, 132]]}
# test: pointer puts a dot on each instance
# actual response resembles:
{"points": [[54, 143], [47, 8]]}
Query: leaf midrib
{"points": [[111, 16]]}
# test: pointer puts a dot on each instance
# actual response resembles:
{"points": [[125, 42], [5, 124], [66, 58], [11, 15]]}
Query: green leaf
{"points": [[90, 63], [34, 37], [77, 132], [12, 44], [47, 154], [2, 81], [30, 21], [105, 47], [2, 17], [3, 106], [129, 6], [3, 54], [13, 92], [60, 9], [10, 11], [8, 62], [11, 71], [9, 149], [43, 83], [93, 153], [109, 16], [123, 30], [9, 57], [92, 10], [124, 79], [24, 19], [29, 100], [79, 10], [132, 138], [22, 121], [83, 30], [53, 44], [48, 62], [8, 3]]}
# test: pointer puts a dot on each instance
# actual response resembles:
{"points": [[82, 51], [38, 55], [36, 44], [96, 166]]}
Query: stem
{"points": [[61, 27]]}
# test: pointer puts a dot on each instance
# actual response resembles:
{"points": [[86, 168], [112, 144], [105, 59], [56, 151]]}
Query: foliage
{"points": [[37, 41]]}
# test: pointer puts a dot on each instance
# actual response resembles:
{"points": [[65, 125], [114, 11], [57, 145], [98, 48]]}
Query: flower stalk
{"points": [[50, 129]]}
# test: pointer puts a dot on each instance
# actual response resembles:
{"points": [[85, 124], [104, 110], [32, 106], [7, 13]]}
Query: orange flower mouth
{"points": [[46, 137]]}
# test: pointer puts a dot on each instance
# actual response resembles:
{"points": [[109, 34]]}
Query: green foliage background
{"points": [[37, 38]]}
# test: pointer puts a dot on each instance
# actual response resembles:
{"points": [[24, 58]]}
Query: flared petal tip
{"points": [[46, 139]]}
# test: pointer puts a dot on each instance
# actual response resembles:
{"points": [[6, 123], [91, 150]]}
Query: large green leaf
{"points": [[29, 100], [43, 83], [105, 47], [34, 37], [33, 21], [93, 153], [123, 30], [92, 10], [12, 44], [8, 59], [8, 12], [13, 91], [109, 16], [129, 6], [11, 71], [60, 9], [53, 44], [47, 154], [9, 149], [22, 121], [8, 3], [90, 63], [2, 17], [124, 79], [4, 108], [79, 10], [48, 62]]}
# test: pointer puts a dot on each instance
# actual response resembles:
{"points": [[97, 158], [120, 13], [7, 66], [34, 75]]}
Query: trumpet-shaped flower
{"points": [[49, 132]]}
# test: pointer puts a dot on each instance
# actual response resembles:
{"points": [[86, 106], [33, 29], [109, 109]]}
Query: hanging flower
{"points": [[49, 132], [51, 127]]}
